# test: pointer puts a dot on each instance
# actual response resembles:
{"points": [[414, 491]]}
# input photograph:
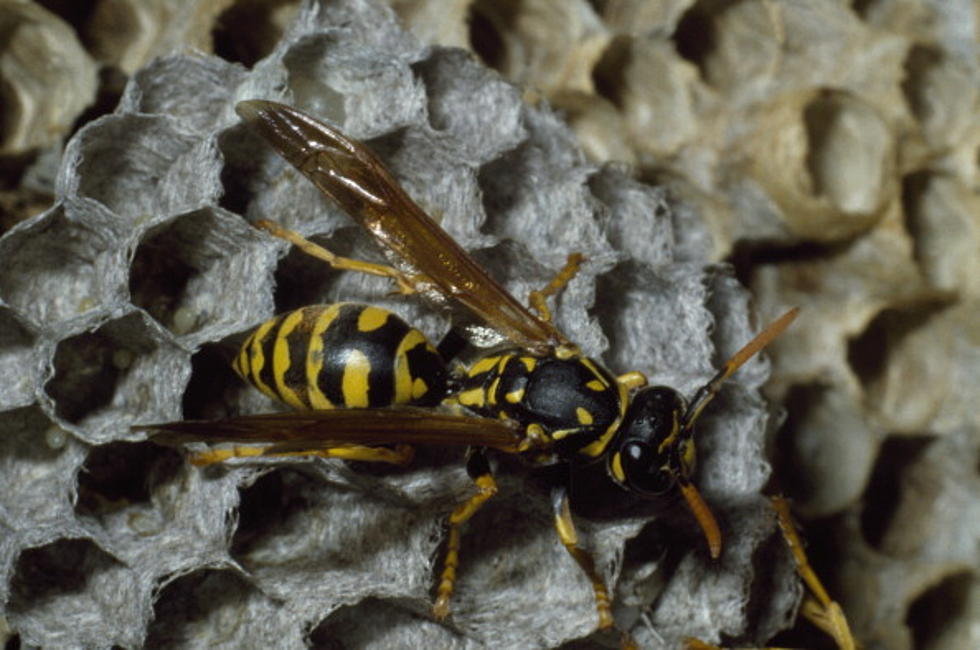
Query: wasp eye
{"points": [[644, 469]]}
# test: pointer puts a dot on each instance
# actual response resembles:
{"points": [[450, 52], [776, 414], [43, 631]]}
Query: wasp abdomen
{"points": [[342, 355]]}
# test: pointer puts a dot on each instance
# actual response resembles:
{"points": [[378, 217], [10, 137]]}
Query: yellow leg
{"points": [[818, 608], [569, 538], [405, 284], [562, 278], [400, 455], [486, 487]]}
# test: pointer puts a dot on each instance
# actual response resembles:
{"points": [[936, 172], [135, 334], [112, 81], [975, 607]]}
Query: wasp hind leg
{"points": [[569, 539], [479, 470], [397, 455], [537, 298], [405, 284]]}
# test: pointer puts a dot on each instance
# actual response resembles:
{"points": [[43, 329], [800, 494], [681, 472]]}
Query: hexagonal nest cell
{"points": [[112, 375], [119, 475], [82, 582], [118, 154], [182, 269], [68, 262]]}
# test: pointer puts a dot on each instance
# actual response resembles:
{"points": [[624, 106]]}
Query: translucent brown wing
{"points": [[318, 429], [349, 173]]}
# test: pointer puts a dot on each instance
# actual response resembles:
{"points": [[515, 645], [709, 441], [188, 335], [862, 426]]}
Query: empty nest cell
{"points": [[80, 581], [124, 369], [69, 262], [202, 272], [210, 607], [118, 475]]}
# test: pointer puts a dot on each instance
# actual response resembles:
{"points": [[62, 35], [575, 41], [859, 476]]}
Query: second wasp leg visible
{"points": [[569, 538], [405, 285], [562, 278], [817, 607], [399, 455], [479, 470]]}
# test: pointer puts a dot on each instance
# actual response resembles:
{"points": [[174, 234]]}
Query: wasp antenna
{"points": [[707, 392], [704, 517], [764, 338]]}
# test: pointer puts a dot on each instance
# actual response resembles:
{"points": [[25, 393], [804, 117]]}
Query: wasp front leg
{"points": [[537, 298], [479, 470]]}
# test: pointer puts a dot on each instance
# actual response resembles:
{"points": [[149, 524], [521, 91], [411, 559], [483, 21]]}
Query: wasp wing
{"points": [[350, 174], [345, 426]]}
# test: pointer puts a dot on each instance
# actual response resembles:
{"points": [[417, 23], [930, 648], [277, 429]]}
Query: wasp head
{"points": [[655, 452], [648, 459]]}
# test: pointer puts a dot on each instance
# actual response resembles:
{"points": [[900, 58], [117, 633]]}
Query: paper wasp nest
{"points": [[119, 305], [832, 147]]}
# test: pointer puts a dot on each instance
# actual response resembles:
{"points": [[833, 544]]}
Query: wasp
{"points": [[367, 386]]}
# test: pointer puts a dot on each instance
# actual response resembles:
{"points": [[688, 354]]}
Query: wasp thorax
{"points": [[574, 401]]}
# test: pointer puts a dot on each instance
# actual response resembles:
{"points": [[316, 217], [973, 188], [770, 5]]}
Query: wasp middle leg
{"points": [[479, 470], [569, 539]]}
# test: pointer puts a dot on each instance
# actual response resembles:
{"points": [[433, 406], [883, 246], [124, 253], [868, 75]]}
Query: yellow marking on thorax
{"points": [[515, 396], [596, 385], [280, 360], [583, 415], [596, 448], [371, 318], [588, 363], [404, 382], [561, 433], [473, 398], [314, 357], [355, 382], [492, 391], [483, 365], [258, 357], [529, 363]]}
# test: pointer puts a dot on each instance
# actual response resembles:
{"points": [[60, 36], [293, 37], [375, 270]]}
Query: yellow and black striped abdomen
{"points": [[342, 355]]}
